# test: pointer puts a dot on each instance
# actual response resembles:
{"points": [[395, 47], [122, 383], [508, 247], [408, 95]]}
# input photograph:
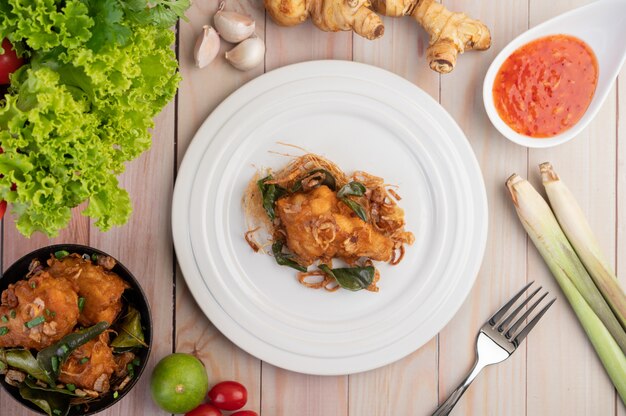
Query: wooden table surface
{"points": [[555, 372]]}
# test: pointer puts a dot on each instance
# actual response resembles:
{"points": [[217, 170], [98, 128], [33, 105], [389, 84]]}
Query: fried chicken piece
{"points": [[319, 226], [101, 288], [93, 373], [40, 298], [121, 362]]}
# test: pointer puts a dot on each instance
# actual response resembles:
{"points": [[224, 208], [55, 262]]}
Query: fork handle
{"points": [[446, 407]]}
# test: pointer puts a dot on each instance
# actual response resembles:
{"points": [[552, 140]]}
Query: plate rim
{"points": [[227, 324]]}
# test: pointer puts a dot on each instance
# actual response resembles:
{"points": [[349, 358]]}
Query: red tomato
{"points": [[228, 395], [204, 410], [3, 208], [245, 413], [9, 62]]}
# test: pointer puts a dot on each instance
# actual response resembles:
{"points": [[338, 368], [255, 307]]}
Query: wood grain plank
{"points": [[14, 245], [305, 42], [409, 386], [402, 50], [144, 245], [564, 374], [203, 89], [559, 353], [620, 252], [284, 392], [200, 92], [500, 390], [406, 387]]}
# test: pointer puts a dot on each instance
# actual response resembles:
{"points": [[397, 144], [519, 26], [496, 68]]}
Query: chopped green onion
{"points": [[131, 370], [81, 303], [4, 330], [57, 412], [60, 254], [94, 257], [33, 285], [4, 318], [84, 360], [34, 322], [12, 314], [136, 362], [64, 348], [116, 394], [70, 387], [54, 361]]}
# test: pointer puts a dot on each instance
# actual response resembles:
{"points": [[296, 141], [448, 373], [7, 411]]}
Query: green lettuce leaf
{"points": [[44, 24], [80, 109], [161, 13], [108, 28]]}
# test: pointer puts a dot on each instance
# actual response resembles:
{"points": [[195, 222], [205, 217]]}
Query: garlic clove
{"points": [[247, 54], [207, 47], [233, 27]]}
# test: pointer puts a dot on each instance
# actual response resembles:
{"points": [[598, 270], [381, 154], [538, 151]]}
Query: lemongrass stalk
{"points": [[579, 233], [545, 232], [611, 356]]}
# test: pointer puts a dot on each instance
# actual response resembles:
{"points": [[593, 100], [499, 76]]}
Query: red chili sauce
{"points": [[545, 86]]}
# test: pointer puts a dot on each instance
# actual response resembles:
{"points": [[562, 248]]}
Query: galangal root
{"points": [[328, 15], [451, 33]]}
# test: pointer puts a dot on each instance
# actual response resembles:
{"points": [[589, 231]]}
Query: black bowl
{"points": [[133, 296]]}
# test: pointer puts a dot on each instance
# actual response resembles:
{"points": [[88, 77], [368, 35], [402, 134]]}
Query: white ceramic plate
{"points": [[360, 117]]}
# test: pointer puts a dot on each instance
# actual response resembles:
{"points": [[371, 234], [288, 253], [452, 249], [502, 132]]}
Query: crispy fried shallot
{"points": [[318, 222]]}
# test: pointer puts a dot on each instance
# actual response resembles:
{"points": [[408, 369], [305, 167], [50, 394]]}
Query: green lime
{"points": [[179, 383]]}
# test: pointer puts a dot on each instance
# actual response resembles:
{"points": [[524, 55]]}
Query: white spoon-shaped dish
{"points": [[602, 25]]}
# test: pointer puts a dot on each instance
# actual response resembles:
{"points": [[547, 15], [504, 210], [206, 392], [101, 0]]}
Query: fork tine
{"points": [[524, 332], [521, 320], [503, 310], [504, 325]]}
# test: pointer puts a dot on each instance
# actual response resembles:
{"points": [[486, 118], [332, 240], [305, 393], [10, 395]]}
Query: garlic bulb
{"points": [[247, 54], [207, 47], [233, 27]]}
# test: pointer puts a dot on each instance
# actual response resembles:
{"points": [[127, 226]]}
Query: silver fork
{"points": [[497, 340]]}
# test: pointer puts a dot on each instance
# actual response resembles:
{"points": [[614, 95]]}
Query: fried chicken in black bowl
{"points": [[75, 330]]}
